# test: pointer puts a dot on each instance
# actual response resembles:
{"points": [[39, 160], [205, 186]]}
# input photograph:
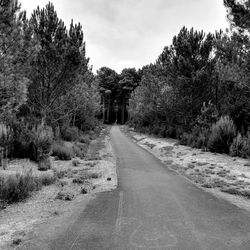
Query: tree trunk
{"points": [[123, 112]]}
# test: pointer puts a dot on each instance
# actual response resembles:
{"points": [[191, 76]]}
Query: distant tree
{"points": [[81, 103], [129, 77], [108, 80]]}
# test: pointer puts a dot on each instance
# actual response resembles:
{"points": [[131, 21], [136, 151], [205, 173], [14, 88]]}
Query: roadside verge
{"points": [[33, 223], [224, 176]]}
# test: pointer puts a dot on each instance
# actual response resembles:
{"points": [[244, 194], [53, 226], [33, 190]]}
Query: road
{"points": [[154, 208]]}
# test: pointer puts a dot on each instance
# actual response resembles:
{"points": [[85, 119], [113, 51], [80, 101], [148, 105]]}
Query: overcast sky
{"points": [[133, 33]]}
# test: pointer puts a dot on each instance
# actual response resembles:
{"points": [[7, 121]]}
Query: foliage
{"points": [[47, 178], [15, 48], [42, 143], [18, 187], [201, 131], [195, 81], [240, 146], [59, 58], [238, 13], [23, 140], [222, 135], [115, 89], [61, 151], [70, 133], [82, 103], [15, 188], [84, 139], [80, 149], [44, 164]]}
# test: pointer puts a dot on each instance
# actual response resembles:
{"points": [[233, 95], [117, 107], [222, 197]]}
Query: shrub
{"points": [[42, 144], [23, 139], [170, 132], [61, 151], [47, 178], [64, 195], [198, 138], [70, 133], [80, 149], [44, 164], [185, 139], [240, 146], [31, 141], [156, 130], [18, 187], [60, 174], [75, 163], [84, 139], [222, 135]]}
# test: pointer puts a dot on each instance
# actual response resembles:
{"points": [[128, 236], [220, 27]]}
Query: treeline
{"points": [[198, 90], [47, 88]]}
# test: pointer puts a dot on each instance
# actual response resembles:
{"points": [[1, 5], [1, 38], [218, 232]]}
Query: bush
{"points": [[156, 130], [44, 164], [47, 178], [61, 151], [70, 133], [185, 139], [198, 138], [75, 163], [222, 135], [42, 144], [240, 146], [31, 141], [18, 187], [170, 132], [23, 139], [80, 149], [84, 139]]}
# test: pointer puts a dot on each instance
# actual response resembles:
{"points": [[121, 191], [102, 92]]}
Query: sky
{"points": [[132, 33]]}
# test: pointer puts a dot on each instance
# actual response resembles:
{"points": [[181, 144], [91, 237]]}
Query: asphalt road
{"points": [[154, 208]]}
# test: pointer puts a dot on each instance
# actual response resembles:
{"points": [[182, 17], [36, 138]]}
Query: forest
{"points": [[197, 90]]}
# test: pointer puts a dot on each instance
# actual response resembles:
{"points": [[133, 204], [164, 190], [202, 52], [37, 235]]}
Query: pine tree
{"points": [[239, 13], [15, 51], [59, 57]]}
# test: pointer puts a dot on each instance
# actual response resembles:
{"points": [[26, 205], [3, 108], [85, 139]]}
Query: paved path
{"points": [[154, 208]]}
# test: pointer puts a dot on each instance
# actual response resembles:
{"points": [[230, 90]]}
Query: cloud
{"points": [[123, 33]]}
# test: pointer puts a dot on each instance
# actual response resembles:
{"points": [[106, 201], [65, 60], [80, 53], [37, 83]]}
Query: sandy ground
{"points": [[95, 174], [224, 176]]}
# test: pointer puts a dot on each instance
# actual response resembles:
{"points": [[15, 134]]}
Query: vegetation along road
{"points": [[154, 208]]}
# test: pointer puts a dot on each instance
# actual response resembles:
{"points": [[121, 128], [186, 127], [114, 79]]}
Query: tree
{"points": [[188, 65], [82, 103], [232, 60], [60, 55], [15, 50], [239, 13]]}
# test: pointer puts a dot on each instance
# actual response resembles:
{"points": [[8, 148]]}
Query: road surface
{"points": [[154, 208]]}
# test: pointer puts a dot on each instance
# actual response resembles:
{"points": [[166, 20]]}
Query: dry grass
{"points": [[17, 187]]}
